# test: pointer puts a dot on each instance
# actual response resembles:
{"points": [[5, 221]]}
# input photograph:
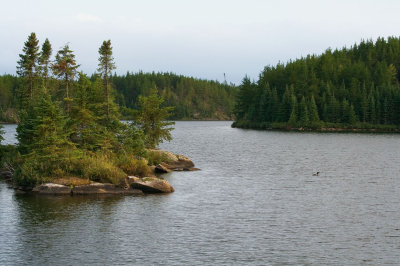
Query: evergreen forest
{"points": [[354, 88]]}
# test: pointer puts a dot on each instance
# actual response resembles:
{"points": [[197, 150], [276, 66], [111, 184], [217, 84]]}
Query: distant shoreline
{"points": [[328, 130], [180, 120], [325, 129]]}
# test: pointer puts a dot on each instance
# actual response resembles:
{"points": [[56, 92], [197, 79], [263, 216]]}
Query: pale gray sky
{"points": [[200, 38]]}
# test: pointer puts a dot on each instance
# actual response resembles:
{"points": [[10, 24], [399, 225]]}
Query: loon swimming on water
{"points": [[316, 174]]}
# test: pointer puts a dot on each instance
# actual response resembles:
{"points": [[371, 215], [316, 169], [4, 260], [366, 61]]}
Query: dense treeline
{"points": [[192, 98], [69, 126], [9, 85], [356, 87]]}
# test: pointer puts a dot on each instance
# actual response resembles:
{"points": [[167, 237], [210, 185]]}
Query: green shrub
{"points": [[27, 174], [100, 169], [8, 154], [132, 166], [156, 157]]}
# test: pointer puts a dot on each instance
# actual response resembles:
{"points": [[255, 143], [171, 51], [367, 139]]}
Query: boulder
{"points": [[174, 162], [51, 188], [103, 188], [182, 162], [153, 185], [161, 169]]}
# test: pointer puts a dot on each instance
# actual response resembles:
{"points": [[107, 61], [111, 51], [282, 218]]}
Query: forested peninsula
{"points": [[348, 89], [70, 135]]}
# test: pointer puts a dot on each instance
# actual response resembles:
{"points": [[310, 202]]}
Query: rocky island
{"points": [[151, 183]]}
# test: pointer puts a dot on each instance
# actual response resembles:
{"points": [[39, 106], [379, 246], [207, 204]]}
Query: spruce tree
{"points": [[364, 105], [44, 61], [87, 133], [285, 106], [313, 111], [348, 114], [106, 66], [27, 65], [273, 105], [371, 109], [25, 128], [152, 118], [49, 134], [294, 113], [303, 110], [244, 98], [65, 67], [353, 119], [264, 114]]}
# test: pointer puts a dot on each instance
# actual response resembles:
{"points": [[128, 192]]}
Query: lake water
{"points": [[254, 202]]}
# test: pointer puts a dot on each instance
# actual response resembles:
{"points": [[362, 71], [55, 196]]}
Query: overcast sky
{"points": [[203, 38]]}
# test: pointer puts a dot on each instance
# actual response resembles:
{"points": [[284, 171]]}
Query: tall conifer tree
{"points": [[106, 66], [303, 110], [27, 65], [44, 61], [293, 115], [313, 111], [65, 67]]}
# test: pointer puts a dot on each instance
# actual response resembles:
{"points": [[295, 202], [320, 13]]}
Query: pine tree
{"points": [[106, 117], [371, 109], [264, 114], [25, 128], [285, 106], [106, 66], [244, 98], [49, 134], [364, 106], [303, 110], [313, 111], [333, 110], [152, 118], [27, 65], [65, 67], [352, 116], [274, 104], [294, 113], [44, 61], [386, 110], [87, 134]]}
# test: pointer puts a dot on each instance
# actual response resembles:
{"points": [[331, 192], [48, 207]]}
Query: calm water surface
{"points": [[254, 202]]}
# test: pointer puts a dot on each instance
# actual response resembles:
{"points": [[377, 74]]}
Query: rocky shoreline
{"points": [[132, 185]]}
